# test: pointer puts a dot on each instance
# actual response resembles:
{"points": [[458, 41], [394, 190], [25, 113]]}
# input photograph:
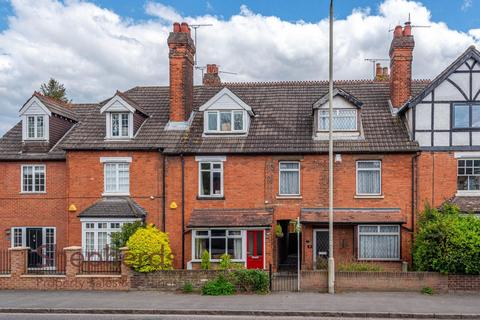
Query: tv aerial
{"points": [[195, 27], [374, 61]]}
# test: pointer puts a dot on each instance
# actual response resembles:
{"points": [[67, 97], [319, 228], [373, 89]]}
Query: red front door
{"points": [[255, 249]]}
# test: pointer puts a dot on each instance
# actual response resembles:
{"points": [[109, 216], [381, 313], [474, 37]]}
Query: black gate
{"points": [[34, 241], [283, 281]]}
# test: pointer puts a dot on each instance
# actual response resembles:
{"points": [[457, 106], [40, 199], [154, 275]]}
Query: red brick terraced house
{"points": [[226, 167]]}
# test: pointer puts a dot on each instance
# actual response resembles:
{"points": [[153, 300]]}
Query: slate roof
{"points": [[352, 216], [467, 204], [230, 218], [283, 122], [114, 208]]}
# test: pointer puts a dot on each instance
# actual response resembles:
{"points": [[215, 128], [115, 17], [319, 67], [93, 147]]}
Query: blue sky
{"points": [[458, 14]]}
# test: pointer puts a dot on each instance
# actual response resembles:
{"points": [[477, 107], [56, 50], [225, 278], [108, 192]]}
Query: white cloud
{"points": [[94, 51]]}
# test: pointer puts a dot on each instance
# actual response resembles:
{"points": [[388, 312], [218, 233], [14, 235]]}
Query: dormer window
{"points": [[225, 121], [120, 113], [35, 127], [226, 113], [346, 117], [342, 120], [120, 125]]}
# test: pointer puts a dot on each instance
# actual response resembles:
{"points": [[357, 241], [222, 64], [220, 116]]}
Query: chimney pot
{"points": [[398, 32], [378, 70], [185, 28], [385, 72], [176, 27], [407, 30]]}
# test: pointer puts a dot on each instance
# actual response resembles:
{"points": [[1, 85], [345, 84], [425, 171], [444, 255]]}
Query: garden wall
{"points": [[390, 281], [170, 280]]}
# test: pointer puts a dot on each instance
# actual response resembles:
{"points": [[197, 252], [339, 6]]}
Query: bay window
{"points": [[96, 238], [289, 180], [379, 242], [468, 177], [211, 179], [369, 177], [218, 242], [342, 120]]}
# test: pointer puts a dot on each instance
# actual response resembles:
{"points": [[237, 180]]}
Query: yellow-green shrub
{"points": [[149, 250]]}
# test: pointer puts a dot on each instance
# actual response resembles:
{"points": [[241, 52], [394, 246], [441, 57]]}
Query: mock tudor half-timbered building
{"points": [[227, 167]]}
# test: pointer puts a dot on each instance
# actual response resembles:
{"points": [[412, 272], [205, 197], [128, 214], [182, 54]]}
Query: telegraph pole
{"points": [[331, 261]]}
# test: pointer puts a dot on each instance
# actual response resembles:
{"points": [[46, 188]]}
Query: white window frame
{"points": [[280, 170], [398, 234], [22, 186], [243, 236], [44, 237], [221, 170], [109, 131], [369, 169], [468, 191], [25, 125], [232, 121], [96, 230], [320, 116], [115, 160]]}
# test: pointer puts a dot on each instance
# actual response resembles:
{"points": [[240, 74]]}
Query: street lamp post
{"points": [[331, 261]]}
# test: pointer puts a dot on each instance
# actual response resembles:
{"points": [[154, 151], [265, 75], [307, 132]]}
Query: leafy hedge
{"points": [[447, 241], [149, 250], [220, 286]]}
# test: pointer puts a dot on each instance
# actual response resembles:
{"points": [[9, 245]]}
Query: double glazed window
{"points": [[120, 125], [466, 116], [211, 179], [35, 127], [33, 178], [225, 121], [342, 120], [117, 178], [468, 178], [369, 177], [289, 178], [379, 242], [97, 238], [218, 242]]}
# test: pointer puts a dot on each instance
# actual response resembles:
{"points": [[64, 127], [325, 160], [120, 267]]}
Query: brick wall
{"points": [[33, 210], [86, 184], [172, 279], [461, 283], [437, 178], [19, 279], [262, 190]]}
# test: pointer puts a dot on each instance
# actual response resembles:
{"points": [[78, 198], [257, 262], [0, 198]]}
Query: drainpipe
{"points": [[164, 200], [414, 198], [183, 211]]}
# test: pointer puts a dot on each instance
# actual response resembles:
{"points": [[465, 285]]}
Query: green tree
{"points": [[54, 89], [447, 241], [119, 239]]}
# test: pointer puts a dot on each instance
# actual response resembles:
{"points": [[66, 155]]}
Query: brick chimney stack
{"points": [[182, 52], [401, 56], [211, 77], [381, 74]]}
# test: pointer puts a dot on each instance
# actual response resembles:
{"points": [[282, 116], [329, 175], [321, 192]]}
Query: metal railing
{"points": [[5, 261], [46, 260], [283, 281], [107, 261]]}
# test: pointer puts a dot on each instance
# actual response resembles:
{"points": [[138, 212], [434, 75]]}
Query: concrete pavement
{"points": [[388, 305]]}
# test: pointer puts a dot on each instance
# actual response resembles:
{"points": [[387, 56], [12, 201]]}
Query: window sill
{"points": [[210, 198], [365, 196], [33, 192], [288, 197], [380, 260], [106, 194], [217, 260], [466, 193]]}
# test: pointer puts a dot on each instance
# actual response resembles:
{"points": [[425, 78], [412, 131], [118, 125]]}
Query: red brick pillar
{"points": [[125, 270], [18, 261], [73, 263]]}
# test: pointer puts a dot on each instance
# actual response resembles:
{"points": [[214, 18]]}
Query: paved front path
{"points": [[152, 300]]}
